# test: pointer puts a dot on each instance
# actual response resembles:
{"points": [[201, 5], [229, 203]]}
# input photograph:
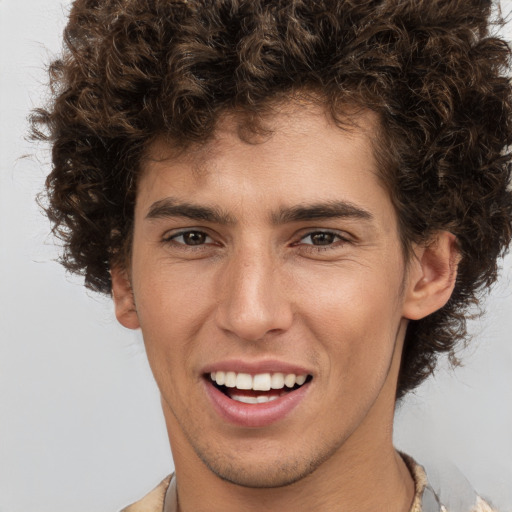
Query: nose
{"points": [[254, 302]]}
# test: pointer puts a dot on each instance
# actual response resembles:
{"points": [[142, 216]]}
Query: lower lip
{"points": [[255, 415]]}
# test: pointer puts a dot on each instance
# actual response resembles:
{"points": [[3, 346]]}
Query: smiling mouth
{"points": [[257, 389]]}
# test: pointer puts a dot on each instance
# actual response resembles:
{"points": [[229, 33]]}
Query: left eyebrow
{"points": [[321, 211]]}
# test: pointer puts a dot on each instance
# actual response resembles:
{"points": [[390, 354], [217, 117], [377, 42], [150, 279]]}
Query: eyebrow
{"points": [[169, 207], [321, 211]]}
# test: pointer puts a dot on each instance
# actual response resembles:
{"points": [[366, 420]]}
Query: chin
{"points": [[266, 473], [261, 478]]}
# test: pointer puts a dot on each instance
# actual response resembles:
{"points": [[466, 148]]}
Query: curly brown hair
{"points": [[132, 70]]}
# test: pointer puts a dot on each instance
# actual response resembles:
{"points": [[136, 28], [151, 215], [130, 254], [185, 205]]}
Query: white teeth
{"points": [[253, 399], [243, 381], [230, 381], [262, 382], [245, 399], [218, 377], [258, 382], [289, 380], [300, 379], [277, 381]]}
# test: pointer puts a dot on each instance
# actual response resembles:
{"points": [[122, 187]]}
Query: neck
{"points": [[384, 488], [360, 476]]}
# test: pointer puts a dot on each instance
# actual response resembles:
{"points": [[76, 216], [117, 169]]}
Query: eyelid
{"points": [[340, 235], [172, 235]]}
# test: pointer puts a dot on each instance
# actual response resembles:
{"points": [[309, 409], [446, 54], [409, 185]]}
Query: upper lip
{"points": [[255, 367]]}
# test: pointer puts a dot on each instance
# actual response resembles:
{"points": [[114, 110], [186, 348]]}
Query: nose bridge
{"points": [[253, 303]]}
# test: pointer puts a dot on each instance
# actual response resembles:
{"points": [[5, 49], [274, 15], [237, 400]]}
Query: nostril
{"points": [[252, 317]]}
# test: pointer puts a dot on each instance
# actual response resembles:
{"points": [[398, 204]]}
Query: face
{"points": [[269, 283]]}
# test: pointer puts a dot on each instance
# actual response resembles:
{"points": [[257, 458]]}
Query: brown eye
{"points": [[321, 238], [192, 238]]}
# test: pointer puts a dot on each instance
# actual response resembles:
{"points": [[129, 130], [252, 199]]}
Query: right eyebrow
{"points": [[169, 207]]}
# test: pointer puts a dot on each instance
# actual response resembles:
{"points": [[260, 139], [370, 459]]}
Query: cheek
{"points": [[355, 315], [172, 308], [171, 297], [352, 294]]}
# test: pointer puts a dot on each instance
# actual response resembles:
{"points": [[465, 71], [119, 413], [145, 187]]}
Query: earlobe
{"points": [[124, 303], [431, 276]]}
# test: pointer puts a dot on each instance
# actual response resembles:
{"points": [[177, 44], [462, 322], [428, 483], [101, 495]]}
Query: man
{"points": [[296, 202]]}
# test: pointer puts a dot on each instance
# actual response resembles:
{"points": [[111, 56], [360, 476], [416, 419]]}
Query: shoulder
{"points": [[451, 494], [482, 506], [152, 502]]}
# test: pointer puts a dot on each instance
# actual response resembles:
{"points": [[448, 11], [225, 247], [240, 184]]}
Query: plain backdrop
{"points": [[80, 422]]}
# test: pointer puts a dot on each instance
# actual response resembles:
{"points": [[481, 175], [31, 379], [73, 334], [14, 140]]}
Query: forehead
{"points": [[297, 142]]}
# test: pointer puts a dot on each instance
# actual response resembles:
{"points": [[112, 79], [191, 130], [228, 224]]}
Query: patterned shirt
{"points": [[425, 499]]}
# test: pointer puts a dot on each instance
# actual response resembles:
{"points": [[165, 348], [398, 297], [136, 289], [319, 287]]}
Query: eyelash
{"points": [[337, 240], [171, 239]]}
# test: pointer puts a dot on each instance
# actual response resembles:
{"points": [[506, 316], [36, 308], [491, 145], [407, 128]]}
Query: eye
{"points": [[321, 238], [191, 238]]}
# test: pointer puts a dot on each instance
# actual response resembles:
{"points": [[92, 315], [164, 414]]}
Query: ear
{"points": [[124, 302], [431, 276]]}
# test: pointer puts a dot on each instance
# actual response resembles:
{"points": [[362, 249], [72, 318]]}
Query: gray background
{"points": [[80, 422]]}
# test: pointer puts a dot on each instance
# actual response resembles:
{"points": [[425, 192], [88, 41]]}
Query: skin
{"points": [[331, 294]]}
